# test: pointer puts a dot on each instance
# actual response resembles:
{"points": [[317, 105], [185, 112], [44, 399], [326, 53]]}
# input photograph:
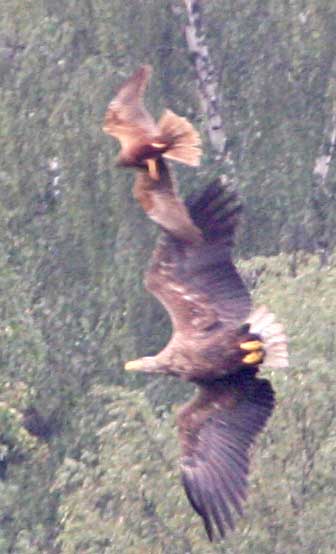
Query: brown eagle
{"points": [[218, 342], [142, 139]]}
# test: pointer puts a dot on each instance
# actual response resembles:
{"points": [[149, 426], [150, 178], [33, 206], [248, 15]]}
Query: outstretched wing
{"points": [[216, 430], [132, 91], [127, 118], [198, 283]]}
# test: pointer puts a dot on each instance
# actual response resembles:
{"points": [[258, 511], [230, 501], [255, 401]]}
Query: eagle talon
{"points": [[251, 345], [254, 358], [255, 351]]}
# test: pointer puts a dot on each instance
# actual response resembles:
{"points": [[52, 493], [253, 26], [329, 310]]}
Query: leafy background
{"points": [[100, 474]]}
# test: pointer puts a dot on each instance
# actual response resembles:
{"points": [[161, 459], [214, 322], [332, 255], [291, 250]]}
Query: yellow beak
{"points": [[134, 365]]}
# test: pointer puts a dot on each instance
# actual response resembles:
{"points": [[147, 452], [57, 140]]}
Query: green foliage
{"points": [[15, 441], [74, 247], [114, 490], [124, 493]]}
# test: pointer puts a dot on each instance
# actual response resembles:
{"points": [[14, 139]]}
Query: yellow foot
{"points": [[251, 345], [152, 169], [254, 358], [255, 352], [159, 145]]}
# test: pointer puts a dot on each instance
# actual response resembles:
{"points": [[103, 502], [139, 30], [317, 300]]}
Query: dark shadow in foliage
{"points": [[40, 426], [3, 469]]}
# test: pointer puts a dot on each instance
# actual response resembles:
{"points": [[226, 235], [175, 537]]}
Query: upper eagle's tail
{"points": [[262, 323], [181, 137]]}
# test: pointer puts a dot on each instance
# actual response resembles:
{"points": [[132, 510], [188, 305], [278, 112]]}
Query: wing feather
{"points": [[162, 204], [198, 283], [134, 88], [127, 118], [216, 431]]}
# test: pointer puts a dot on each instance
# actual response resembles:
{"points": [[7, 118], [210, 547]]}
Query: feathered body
{"points": [[218, 342]]}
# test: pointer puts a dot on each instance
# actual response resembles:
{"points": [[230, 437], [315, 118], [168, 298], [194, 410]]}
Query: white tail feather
{"points": [[262, 322], [183, 138]]}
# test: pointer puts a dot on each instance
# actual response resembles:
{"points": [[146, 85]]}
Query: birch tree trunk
{"points": [[207, 84], [321, 195]]}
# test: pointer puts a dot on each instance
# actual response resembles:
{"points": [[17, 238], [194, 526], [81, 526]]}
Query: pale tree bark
{"points": [[207, 84], [321, 194], [315, 229], [326, 153]]}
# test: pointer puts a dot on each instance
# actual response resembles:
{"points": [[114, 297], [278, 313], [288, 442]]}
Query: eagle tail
{"points": [[182, 138], [262, 322]]}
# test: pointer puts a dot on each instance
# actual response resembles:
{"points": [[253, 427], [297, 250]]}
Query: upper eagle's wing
{"points": [[198, 283], [127, 118], [216, 430]]}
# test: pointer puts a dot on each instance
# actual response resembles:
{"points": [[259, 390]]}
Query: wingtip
{"points": [[142, 75], [147, 69], [134, 87]]}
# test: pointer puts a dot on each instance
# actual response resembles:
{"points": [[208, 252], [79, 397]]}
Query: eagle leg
{"points": [[153, 169]]}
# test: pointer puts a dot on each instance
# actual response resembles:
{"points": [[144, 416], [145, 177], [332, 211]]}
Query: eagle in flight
{"points": [[218, 342], [143, 140]]}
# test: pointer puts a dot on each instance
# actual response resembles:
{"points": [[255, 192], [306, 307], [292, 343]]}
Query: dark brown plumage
{"points": [[161, 203], [142, 139], [218, 343], [216, 430]]}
